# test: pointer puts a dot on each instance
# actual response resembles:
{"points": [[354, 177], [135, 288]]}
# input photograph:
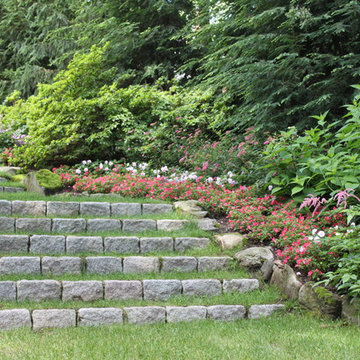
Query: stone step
{"points": [[74, 208], [76, 225], [59, 244], [60, 318], [47, 265], [93, 290], [11, 189]]}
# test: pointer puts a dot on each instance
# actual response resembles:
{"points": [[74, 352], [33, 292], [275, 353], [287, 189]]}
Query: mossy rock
{"points": [[20, 178], [43, 182]]}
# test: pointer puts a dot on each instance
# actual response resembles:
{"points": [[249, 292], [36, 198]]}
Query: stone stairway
{"points": [[59, 257]]}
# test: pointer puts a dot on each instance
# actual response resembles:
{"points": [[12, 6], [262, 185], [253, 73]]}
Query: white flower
{"points": [[101, 166], [231, 181], [142, 174], [209, 180], [336, 227], [111, 163], [270, 187], [89, 161], [84, 162], [106, 169], [349, 231], [134, 164], [78, 171], [164, 169], [86, 170], [321, 234], [106, 162], [352, 224], [230, 174], [314, 231]]}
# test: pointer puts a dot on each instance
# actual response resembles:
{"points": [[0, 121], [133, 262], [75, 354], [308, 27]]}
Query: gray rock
{"points": [[122, 244], [47, 244], [240, 285], [123, 290], [161, 289], [10, 189], [33, 225], [156, 244], [257, 311], [34, 208], [7, 224], [139, 225], [100, 316], [201, 287], [103, 265], [38, 290], [207, 224], [68, 225], [185, 313], [188, 243], [254, 257], [179, 264], [156, 209], [267, 269], [19, 265], [53, 318], [171, 225], [97, 225], [95, 208], [7, 291], [13, 319], [70, 208], [230, 240], [226, 312], [145, 315], [190, 207], [79, 244], [10, 170], [5, 207], [285, 279], [125, 209], [14, 243], [214, 263], [82, 290], [350, 311], [60, 265], [141, 264]]}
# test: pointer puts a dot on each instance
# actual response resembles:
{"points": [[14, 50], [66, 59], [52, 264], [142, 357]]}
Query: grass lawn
{"points": [[280, 337]]}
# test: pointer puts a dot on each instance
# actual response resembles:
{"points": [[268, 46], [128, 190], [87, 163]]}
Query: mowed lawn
{"points": [[280, 337]]}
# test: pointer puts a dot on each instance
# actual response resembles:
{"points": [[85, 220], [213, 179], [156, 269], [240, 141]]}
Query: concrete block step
{"points": [[61, 318], [74, 208], [76, 225], [93, 290], [59, 244], [48, 265]]}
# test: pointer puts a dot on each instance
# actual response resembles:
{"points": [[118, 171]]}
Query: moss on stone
{"points": [[324, 295], [48, 179], [20, 178]]}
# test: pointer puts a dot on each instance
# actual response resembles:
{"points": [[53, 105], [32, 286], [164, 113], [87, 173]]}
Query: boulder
{"points": [[254, 257], [190, 207], [229, 241], [9, 170], [285, 279], [351, 311]]}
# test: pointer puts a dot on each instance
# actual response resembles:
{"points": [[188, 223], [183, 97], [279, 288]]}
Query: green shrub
{"points": [[48, 179]]}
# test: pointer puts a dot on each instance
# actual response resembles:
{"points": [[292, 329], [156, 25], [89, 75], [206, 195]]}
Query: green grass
{"points": [[27, 196], [280, 337], [12, 184]]}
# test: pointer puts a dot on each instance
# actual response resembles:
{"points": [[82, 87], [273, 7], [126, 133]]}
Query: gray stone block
{"points": [[103, 265], [201, 287], [214, 263], [156, 244], [207, 224], [258, 311], [78, 244], [139, 225], [95, 208], [179, 264], [226, 312], [188, 243], [99, 316], [240, 285], [5, 207], [10, 189], [13, 319], [7, 291], [70, 208], [53, 318], [14, 243], [145, 315], [96, 225], [82, 290], [61, 265], [161, 289], [171, 225], [29, 208], [122, 244], [38, 290], [125, 209], [68, 225], [47, 244], [7, 224], [19, 265], [123, 290], [141, 264], [33, 225], [156, 209], [185, 313]]}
